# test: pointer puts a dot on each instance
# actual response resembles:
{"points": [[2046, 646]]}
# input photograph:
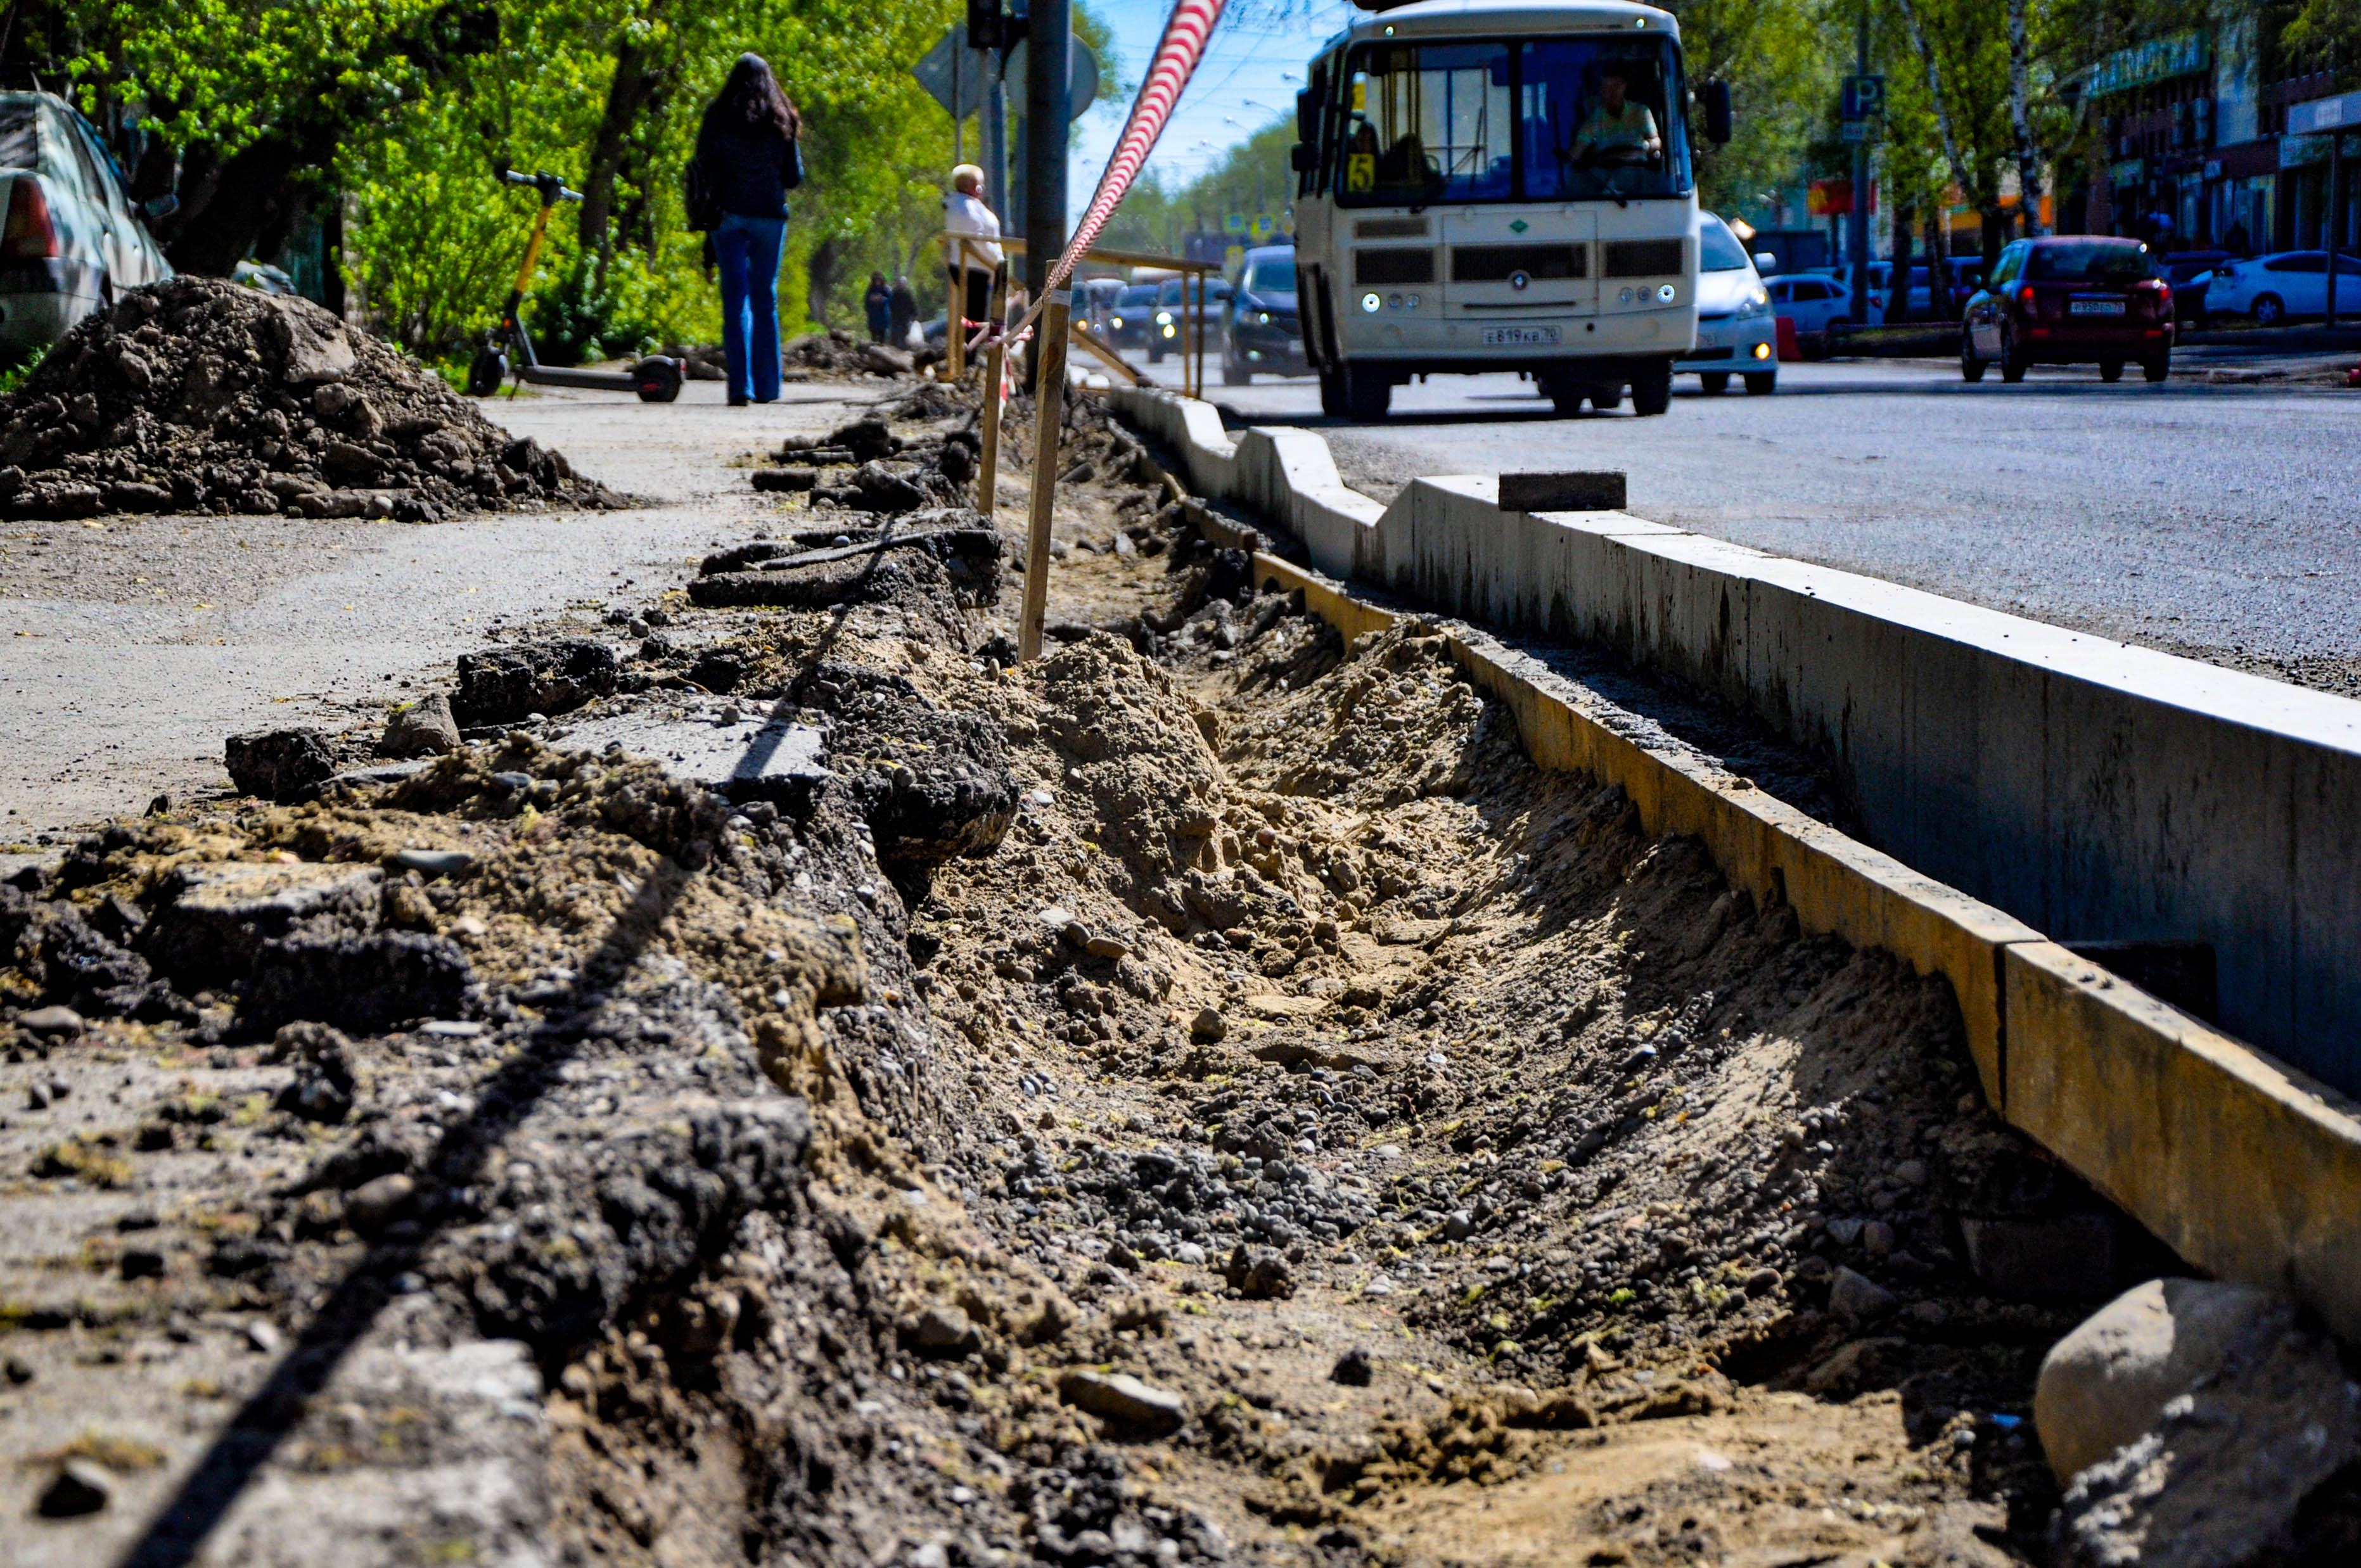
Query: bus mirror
{"points": [[1303, 158], [1307, 118], [1717, 113]]}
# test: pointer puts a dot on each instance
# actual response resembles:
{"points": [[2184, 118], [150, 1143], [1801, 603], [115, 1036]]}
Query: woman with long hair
{"points": [[747, 155]]}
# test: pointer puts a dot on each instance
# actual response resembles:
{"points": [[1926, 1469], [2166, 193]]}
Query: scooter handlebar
{"points": [[553, 188]]}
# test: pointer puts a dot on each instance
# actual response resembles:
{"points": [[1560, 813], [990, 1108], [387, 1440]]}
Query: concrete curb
{"points": [[2249, 1169]]}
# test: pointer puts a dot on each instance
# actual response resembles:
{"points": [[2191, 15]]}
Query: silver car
{"points": [[1737, 334], [71, 239]]}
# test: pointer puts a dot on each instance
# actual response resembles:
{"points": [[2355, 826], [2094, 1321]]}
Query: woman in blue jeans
{"points": [[746, 151]]}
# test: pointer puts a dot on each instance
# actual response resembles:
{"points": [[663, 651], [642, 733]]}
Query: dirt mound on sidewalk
{"points": [[197, 395]]}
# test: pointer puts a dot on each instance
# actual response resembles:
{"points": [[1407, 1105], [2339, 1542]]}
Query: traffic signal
{"points": [[995, 24]]}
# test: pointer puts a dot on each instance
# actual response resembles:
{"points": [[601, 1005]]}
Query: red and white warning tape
{"points": [[1176, 54]]}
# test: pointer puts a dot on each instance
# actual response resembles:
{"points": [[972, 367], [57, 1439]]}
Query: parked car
{"points": [[2071, 299], [1128, 317], [1205, 311], [1811, 301], [2191, 273], [2271, 288], [1736, 330], [1966, 277], [71, 239], [1264, 331]]}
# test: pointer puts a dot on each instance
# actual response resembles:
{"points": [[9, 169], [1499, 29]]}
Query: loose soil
{"points": [[1201, 1096], [197, 395]]}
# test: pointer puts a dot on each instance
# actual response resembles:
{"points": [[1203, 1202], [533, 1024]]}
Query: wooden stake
{"points": [[955, 339], [1049, 394], [987, 475]]}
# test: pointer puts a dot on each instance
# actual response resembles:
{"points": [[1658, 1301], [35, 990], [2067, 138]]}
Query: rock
{"points": [[942, 1331], [213, 919], [36, 1097], [433, 863], [1762, 1282], [783, 480], [61, 1023], [371, 1206], [1877, 1239], [1119, 1396], [19, 1370], [2101, 1387], [1259, 1275], [2228, 1462], [1189, 1253], [503, 685], [885, 358], [1208, 1026], [867, 439], [81, 1487], [1858, 1298], [263, 1337], [1354, 1369], [140, 1262], [420, 728], [363, 984], [1458, 1225], [279, 765]]}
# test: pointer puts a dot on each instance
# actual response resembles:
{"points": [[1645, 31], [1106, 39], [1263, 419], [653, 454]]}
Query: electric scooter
{"points": [[655, 379]]}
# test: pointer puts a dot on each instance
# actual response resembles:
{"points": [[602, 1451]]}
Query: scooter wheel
{"points": [[485, 376], [656, 378]]}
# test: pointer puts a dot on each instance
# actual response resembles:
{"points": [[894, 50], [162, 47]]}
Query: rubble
{"points": [[798, 1085], [196, 395]]}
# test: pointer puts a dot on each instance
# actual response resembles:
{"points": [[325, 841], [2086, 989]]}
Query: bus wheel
{"points": [[1651, 386], [1366, 393], [1606, 400], [1567, 397]]}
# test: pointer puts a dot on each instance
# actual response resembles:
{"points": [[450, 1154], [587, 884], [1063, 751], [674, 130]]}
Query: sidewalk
{"points": [[136, 646]]}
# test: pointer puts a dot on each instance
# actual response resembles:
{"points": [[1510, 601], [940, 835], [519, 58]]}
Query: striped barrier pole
{"points": [[1176, 54]]}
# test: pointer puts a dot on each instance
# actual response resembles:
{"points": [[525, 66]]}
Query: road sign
{"points": [[1082, 76], [1856, 131], [1236, 222], [936, 70], [1864, 98]]}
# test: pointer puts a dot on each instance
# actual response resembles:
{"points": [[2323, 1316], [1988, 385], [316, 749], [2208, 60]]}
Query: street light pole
{"points": [[1860, 235], [1045, 104]]}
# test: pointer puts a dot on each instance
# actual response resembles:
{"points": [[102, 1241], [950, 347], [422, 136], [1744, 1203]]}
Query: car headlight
{"points": [[1262, 318], [1115, 321], [1164, 318], [1754, 305]]}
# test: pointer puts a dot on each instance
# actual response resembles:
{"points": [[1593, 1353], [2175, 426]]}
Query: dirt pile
{"points": [[197, 395], [837, 352], [1199, 1097]]}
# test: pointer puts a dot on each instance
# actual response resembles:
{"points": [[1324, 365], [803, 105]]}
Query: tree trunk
{"points": [[822, 272], [1996, 235], [626, 94], [1897, 293], [2020, 122], [1939, 265]]}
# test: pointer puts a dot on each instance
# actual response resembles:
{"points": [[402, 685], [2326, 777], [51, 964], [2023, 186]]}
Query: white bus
{"points": [[1488, 185]]}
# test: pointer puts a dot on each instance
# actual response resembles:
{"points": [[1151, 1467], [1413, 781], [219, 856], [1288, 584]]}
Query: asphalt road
{"points": [[2216, 515]]}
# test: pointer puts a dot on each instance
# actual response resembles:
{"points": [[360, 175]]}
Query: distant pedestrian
{"points": [[878, 303], [2236, 241], [903, 313], [747, 156], [979, 259]]}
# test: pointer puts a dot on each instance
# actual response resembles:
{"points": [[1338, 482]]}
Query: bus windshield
{"points": [[1545, 119]]}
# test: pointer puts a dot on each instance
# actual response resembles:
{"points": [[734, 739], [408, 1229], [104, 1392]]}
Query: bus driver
{"points": [[1616, 132]]}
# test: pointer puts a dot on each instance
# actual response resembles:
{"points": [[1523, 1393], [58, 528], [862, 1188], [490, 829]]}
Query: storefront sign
{"points": [[2159, 60], [2324, 114]]}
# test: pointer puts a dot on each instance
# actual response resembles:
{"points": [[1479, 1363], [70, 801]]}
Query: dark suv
{"points": [[1264, 332], [2071, 299]]}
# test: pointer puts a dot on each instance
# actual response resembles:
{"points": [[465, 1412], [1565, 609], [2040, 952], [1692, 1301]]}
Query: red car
{"points": [[2071, 300]]}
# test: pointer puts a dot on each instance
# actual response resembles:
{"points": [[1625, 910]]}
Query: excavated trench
{"points": [[829, 1095]]}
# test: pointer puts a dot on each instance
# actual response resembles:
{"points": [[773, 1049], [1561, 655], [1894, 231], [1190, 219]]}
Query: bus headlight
{"points": [[1369, 303], [1666, 292]]}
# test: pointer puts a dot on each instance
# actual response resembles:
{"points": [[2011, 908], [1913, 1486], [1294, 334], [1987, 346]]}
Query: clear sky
{"points": [[1249, 77]]}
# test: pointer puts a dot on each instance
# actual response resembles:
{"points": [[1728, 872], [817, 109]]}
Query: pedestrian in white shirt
{"points": [[965, 213]]}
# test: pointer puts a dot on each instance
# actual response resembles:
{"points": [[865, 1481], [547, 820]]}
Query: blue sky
{"points": [[1249, 77]]}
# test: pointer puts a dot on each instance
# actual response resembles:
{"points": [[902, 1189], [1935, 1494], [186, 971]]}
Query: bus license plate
{"points": [[1519, 336], [2094, 307]]}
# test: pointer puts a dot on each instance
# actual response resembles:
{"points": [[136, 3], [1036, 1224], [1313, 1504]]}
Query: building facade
{"points": [[2193, 147]]}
